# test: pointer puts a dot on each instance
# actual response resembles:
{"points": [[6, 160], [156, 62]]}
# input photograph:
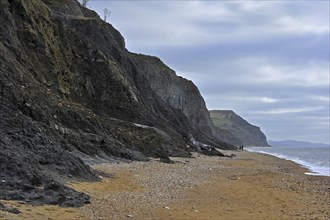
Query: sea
{"points": [[316, 159]]}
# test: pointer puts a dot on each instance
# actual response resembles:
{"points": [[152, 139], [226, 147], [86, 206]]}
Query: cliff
{"points": [[243, 131], [72, 94]]}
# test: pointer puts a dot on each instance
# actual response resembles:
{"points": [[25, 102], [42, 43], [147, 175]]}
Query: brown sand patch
{"points": [[39, 212], [249, 186], [123, 181], [244, 193]]}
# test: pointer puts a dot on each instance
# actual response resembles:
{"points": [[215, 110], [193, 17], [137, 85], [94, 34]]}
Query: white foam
{"points": [[315, 169]]}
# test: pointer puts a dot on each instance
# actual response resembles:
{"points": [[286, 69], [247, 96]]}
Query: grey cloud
{"points": [[179, 23], [255, 57]]}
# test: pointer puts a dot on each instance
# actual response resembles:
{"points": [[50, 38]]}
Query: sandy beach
{"points": [[248, 186]]}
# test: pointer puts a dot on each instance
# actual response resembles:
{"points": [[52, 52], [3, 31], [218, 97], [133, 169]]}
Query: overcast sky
{"points": [[266, 60]]}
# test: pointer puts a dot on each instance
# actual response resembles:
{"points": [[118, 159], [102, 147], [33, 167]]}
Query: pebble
{"points": [[161, 183]]}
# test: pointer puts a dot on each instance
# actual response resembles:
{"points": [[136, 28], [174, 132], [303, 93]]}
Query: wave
{"points": [[316, 169]]}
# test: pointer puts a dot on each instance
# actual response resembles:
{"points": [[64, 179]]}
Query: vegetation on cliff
{"points": [[72, 94], [245, 133]]}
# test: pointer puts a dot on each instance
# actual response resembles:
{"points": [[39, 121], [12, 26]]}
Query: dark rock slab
{"points": [[7, 209], [166, 160]]}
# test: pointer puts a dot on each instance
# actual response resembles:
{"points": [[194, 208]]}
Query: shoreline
{"points": [[313, 170], [248, 186]]}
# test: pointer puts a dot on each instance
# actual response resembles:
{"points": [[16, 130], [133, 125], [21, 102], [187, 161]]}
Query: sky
{"points": [[266, 60]]}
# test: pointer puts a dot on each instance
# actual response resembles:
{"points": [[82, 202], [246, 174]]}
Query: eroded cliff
{"points": [[71, 93], [243, 131]]}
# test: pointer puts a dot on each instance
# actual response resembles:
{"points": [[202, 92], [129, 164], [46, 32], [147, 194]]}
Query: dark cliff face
{"points": [[69, 88], [243, 131], [177, 93]]}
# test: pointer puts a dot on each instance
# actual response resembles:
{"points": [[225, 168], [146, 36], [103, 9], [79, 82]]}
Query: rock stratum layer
{"points": [[70, 92], [244, 133]]}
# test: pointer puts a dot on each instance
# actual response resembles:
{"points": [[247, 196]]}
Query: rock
{"points": [[72, 91], [129, 216], [166, 160], [11, 210], [244, 133], [232, 155]]}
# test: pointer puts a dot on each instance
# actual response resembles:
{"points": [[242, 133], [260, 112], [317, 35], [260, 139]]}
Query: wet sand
{"points": [[248, 186]]}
